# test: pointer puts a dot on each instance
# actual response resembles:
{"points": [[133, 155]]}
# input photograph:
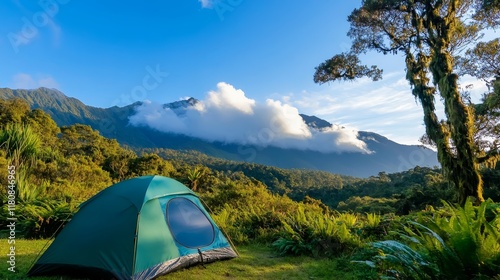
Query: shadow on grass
{"points": [[23, 264]]}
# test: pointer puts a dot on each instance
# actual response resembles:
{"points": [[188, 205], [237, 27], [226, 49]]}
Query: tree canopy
{"points": [[438, 39]]}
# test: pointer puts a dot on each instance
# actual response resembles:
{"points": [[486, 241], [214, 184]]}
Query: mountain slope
{"points": [[112, 122]]}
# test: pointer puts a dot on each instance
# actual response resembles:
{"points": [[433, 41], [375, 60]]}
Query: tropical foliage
{"points": [[449, 243], [295, 212]]}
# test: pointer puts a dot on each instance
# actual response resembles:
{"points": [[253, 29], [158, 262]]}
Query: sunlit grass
{"points": [[254, 262]]}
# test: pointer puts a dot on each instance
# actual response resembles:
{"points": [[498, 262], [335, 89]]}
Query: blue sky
{"points": [[108, 53]]}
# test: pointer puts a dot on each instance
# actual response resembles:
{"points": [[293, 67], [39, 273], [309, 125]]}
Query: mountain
{"points": [[387, 156]]}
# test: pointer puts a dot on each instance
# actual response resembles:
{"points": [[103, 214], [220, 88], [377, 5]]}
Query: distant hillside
{"points": [[388, 155]]}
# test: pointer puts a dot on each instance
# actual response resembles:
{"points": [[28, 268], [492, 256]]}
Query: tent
{"points": [[136, 229]]}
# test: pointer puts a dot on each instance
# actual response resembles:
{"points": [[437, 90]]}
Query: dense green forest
{"points": [[297, 212], [399, 193], [114, 123]]}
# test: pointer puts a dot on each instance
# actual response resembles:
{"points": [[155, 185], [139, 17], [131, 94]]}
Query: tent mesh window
{"points": [[188, 224]]}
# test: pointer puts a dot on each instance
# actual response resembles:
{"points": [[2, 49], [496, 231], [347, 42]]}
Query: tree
{"points": [[13, 110], [79, 139], [482, 63], [150, 164], [430, 34], [118, 165], [43, 125], [193, 175]]}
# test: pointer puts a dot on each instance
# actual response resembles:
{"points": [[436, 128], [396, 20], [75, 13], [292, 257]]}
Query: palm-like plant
{"points": [[193, 175], [20, 142], [43, 218], [22, 146]]}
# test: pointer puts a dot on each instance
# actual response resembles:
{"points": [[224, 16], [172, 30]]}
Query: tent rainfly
{"points": [[137, 229]]}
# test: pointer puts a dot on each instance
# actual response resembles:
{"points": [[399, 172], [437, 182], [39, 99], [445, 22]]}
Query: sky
{"points": [[253, 58]]}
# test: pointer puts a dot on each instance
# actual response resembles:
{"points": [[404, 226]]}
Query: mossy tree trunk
{"points": [[429, 33], [454, 138]]}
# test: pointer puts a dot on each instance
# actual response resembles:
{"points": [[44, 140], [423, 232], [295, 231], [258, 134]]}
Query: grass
{"points": [[255, 262]]}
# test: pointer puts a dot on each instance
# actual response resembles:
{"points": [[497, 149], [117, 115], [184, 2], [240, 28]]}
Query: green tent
{"points": [[136, 229]]}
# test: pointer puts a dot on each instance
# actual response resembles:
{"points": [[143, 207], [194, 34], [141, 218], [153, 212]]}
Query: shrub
{"points": [[41, 218], [317, 234], [249, 223]]}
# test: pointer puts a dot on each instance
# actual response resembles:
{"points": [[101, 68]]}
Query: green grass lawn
{"points": [[255, 262]]}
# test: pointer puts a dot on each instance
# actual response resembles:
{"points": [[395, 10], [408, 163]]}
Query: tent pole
{"points": [[50, 238], [223, 231], [135, 242]]}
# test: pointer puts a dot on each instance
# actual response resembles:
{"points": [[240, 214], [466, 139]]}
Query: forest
{"points": [[384, 221]]}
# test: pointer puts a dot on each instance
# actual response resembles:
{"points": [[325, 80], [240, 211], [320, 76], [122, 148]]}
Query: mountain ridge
{"points": [[112, 122]]}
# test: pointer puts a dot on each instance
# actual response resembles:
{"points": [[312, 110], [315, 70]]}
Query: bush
{"points": [[249, 224], [368, 204], [41, 218], [318, 234]]}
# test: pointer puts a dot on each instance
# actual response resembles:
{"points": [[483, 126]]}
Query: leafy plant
{"points": [[26, 191], [451, 243], [43, 218], [348, 219], [400, 261], [372, 220], [20, 143], [317, 234]]}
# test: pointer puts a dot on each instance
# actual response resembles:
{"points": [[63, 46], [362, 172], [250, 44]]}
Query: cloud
{"points": [[26, 81], [386, 107], [227, 115], [206, 3], [48, 82], [476, 88]]}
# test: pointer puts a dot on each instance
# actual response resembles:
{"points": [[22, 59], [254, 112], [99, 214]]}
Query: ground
{"points": [[255, 262]]}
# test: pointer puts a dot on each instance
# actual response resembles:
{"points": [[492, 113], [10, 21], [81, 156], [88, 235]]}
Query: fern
{"points": [[348, 219], [403, 261], [372, 220], [317, 234], [453, 243], [42, 218]]}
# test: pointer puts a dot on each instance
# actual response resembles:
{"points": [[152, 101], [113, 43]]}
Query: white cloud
{"points": [[477, 87], [48, 82], [227, 115], [26, 81], [23, 81], [386, 107], [206, 3]]}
